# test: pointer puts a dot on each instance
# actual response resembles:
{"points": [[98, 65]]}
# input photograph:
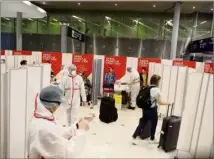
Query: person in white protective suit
{"points": [[134, 83], [47, 138], [73, 87]]}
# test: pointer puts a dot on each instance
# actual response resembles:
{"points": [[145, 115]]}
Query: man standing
{"points": [[134, 83], [73, 87]]}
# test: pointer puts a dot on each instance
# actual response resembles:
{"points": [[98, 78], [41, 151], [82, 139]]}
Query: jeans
{"points": [[149, 114]]}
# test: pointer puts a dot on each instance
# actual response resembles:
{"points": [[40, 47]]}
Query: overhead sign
{"points": [[74, 34], [201, 46]]}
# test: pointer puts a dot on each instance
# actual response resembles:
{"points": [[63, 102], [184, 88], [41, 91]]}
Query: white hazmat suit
{"points": [[48, 139], [74, 88], [134, 83]]}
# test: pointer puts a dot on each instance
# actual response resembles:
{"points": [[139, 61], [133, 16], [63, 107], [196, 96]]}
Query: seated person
{"points": [[109, 79]]}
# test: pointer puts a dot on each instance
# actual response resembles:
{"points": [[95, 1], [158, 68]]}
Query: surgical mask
{"points": [[73, 73]]}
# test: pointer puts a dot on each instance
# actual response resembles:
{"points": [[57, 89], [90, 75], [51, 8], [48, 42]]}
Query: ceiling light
{"points": [[115, 4], [136, 21], [203, 22], [79, 4], [27, 2], [193, 7], [211, 9], [154, 6], [41, 10], [7, 18], [76, 17], [43, 3], [108, 18]]}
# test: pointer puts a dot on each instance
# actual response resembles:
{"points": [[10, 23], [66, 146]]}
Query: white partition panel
{"points": [[173, 83], [66, 58], [129, 61], [18, 59], [17, 113], [10, 62], [199, 67], [37, 57], [28, 58], [134, 63], [189, 112], [151, 71], [46, 71], [3, 131], [180, 87], [200, 108], [34, 75], [166, 62], [3, 68], [165, 87], [205, 140]]}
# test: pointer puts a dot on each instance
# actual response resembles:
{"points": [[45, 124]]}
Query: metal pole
{"points": [[175, 30], [19, 31], [63, 31]]}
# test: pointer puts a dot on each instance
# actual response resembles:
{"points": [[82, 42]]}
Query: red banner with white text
{"points": [[55, 59], [143, 63], [21, 52], [2, 52], [191, 64], [83, 63], [116, 65], [208, 68]]}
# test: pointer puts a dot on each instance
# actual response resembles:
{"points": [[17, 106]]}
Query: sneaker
{"points": [[154, 141]]}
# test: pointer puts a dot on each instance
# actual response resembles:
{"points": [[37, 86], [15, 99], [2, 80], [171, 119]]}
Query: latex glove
{"points": [[83, 125], [89, 119]]}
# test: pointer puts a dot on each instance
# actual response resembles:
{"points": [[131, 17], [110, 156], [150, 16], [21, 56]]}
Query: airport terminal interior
{"points": [[106, 79]]}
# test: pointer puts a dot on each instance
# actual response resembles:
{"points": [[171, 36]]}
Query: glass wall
{"points": [[142, 26]]}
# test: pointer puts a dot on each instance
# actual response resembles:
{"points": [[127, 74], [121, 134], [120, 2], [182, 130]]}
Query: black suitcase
{"points": [[125, 97], [146, 133], [108, 111], [170, 132]]}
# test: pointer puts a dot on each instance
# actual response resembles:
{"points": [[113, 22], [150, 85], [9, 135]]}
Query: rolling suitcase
{"points": [[146, 133], [125, 97], [108, 111], [170, 132]]}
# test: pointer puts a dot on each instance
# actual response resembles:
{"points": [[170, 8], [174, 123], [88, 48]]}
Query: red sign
{"points": [[191, 64], [144, 63], [208, 68], [83, 62], [55, 59], [2, 52], [118, 65], [21, 52]]}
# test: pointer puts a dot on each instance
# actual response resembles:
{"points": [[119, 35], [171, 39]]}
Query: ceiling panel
{"points": [[187, 7]]}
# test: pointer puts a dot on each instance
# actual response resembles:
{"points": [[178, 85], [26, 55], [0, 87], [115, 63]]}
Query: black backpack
{"points": [[144, 98]]}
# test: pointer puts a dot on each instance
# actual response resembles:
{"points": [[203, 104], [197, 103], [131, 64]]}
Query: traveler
{"points": [[151, 113]]}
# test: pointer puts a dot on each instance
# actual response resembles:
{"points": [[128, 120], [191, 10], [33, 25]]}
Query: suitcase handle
{"points": [[168, 110]]}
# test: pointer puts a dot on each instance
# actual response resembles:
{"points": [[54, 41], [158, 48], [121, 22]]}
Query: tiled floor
{"points": [[114, 140]]}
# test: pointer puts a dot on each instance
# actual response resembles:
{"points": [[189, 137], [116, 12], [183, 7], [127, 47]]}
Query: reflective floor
{"points": [[114, 140]]}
